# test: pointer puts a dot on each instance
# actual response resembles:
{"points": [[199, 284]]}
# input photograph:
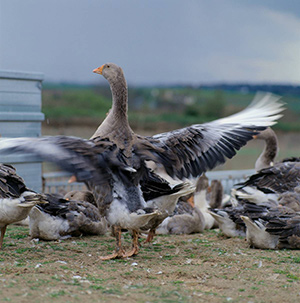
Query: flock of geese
{"points": [[157, 184]]}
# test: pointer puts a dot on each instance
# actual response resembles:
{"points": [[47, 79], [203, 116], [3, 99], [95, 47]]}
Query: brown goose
{"points": [[16, 200], [112, 163]]}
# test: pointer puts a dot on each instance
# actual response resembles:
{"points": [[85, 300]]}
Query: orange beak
{"points": [[98, 70], [191, 201], [254, 136], [72, 179]]}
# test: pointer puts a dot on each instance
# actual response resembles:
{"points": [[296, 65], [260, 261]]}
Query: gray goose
{"points": [[185, 219], [164, 202], [276, 232], [16, 200], [112, 163], [269, 183], [290, 199], [191, 216], [231, 224], [269, 153], [265, 159], [73, 215]]}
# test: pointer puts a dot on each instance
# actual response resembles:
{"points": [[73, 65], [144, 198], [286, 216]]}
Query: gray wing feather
{"points": [[190, 151]]}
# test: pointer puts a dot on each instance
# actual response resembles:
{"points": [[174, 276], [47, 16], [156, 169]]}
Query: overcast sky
{"points": [[154, 41]]}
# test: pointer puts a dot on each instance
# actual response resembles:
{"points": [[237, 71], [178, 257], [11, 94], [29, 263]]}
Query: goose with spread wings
{"points": [[113, 161]]}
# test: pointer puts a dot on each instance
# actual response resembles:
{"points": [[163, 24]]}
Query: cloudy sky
{"points": [[155, 41]]}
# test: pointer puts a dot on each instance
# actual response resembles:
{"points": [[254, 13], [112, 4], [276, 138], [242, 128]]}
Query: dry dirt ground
{"points": [[189, 268]]}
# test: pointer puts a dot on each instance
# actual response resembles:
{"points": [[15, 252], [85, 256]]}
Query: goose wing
{"points": [[88, 160], [280, 178], [284, 225], [190, 151], [11, 184]]}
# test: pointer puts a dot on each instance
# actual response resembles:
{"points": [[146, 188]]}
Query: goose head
{"points": [[202, 183], [109, 71], [265, 134], [83, 195]]}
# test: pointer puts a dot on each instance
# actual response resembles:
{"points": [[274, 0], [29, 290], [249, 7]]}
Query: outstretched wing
{"points": [[190, 151], [87, 160]]}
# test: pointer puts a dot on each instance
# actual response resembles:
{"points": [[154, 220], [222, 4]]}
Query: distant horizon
{"points": [[217, 83]]}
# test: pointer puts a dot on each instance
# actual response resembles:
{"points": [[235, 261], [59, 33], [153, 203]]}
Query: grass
{"points": [[66, 104], [183, 270]]}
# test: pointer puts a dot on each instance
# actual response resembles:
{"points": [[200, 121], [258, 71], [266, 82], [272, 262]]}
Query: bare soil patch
{"points": [[189, 268]]}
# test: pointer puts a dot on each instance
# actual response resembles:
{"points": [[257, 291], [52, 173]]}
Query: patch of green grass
{"points": [[147, 257], [170, 294], [220, 251], [152, 278], [95, 279], [168, 257], [170, 246], [24, 250], [97, 287], [178, 282], [292, 277], [57, 294], [280, 271], [57, 247], [11, 285], [137, 286], [82, 244], [112, 291]]}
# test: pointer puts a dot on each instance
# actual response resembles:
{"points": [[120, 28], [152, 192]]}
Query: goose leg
{"points": [[119, 252], [150, 236], [3, 229], [135, 245]]}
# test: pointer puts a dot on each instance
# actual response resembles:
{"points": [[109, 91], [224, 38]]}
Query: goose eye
{"points": [[107, 66]]}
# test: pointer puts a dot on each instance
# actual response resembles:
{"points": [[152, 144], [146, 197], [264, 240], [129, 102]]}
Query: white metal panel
{"points": [[20, 129], [20, 101], [20, 116], [31, 172], [23, 86], [9, 74]]}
